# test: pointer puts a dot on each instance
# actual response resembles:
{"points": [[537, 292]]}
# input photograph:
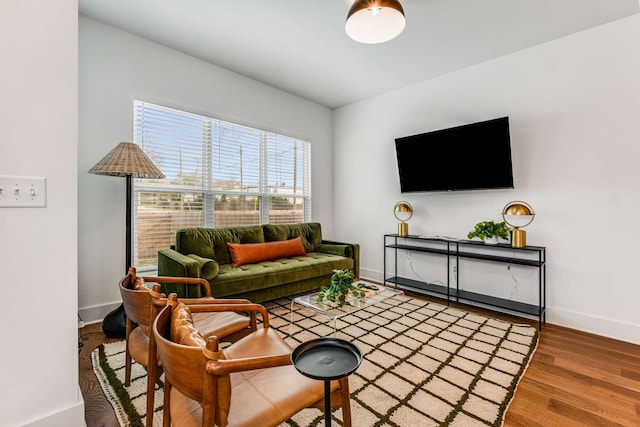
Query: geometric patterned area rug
{"points": [[424, 364]]}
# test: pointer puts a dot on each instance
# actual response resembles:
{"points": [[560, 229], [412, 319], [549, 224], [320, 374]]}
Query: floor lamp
{"points": [[125, 160]]}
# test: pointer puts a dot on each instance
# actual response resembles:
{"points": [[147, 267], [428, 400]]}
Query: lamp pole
{"points": [[129, 160], [128, 258], [114, 323]]}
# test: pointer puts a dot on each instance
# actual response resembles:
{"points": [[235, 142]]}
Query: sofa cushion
{"points": [[251, 253], [266, 274], [222, 236], [197, 241], [309, 232], [212, 242]]}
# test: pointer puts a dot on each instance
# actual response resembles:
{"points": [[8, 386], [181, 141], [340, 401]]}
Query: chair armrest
{"points": [[207, 306], [160, 300], [184, 280], [349, 250], [207, 301], [223, 366], [195, 301]]}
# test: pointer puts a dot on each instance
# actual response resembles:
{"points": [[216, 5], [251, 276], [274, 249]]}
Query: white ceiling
{"points": [[300, 45]]}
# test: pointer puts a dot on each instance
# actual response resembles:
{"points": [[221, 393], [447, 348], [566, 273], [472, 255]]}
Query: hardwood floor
{"points": [[579, 379], [574, 379], [98, 411]]}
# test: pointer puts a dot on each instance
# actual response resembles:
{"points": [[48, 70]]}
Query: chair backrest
{"points": [[184, 366], [137, 302]]}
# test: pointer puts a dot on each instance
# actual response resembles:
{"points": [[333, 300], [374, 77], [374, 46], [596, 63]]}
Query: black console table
{"points": [[457, 250]]}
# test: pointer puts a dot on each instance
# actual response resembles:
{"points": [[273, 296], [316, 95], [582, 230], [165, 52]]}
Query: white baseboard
{"points": [[374, 275], [595, 325], [69, 417], [95, 314], [582, 322]]}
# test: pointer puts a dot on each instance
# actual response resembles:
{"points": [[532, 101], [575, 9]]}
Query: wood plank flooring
{"points": [[98, 411], [574, 379]]}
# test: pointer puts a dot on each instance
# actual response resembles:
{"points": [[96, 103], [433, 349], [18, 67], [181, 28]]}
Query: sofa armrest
{"points": [[336, 249], [173, 263], [349, 250], [207, 268]]}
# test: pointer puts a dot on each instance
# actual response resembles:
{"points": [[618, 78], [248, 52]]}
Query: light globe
{"points": [[403, 212], [518, 214]]}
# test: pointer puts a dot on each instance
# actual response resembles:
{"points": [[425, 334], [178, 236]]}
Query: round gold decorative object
{"points": [[518, 214], [403, 212]]}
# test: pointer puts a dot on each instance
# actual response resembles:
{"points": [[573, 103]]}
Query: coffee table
{"points": [[334, 313]]}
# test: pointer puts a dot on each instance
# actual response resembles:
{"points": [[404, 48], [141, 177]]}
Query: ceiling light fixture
{"points": [[375, 21]]}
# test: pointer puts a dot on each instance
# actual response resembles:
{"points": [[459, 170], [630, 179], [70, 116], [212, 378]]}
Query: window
{"points": [[218, 174]]}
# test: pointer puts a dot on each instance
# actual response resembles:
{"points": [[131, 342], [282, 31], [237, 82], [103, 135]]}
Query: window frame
{"points": [[207, 189]]}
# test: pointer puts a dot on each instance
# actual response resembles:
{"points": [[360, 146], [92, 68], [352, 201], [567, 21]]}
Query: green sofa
{"points": [[203, 252]]}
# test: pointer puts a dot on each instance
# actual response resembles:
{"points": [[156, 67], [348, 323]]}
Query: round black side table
{"points": [[326, 359]]}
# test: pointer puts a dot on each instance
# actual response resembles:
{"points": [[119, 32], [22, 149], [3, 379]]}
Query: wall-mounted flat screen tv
{"points": [[475, 156]]}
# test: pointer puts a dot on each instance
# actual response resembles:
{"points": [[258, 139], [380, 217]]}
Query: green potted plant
{"points": [[338, 291], [490, 231]]}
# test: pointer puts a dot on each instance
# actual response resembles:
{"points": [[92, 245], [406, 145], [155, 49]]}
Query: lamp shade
{"points": [[125, 159], [375, 21], [518, 214], [403, 211]]}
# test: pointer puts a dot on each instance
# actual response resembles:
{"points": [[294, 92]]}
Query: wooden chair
{"points": [[249, 383], [142, 304]]}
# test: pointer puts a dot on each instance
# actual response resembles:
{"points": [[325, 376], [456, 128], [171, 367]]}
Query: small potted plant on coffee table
{"points": [[490, 231], [337, 293]]}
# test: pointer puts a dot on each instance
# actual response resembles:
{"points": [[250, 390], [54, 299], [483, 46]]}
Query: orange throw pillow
{"points": [[249, 253]]}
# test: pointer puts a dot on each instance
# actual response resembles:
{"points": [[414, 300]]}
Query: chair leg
{"points": [[166, 410], [153, 373], [151, 391], [127, 355], [127, 369], [346, 401]]}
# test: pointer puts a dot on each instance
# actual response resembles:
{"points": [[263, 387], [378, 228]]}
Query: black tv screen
{"points": [[476, 156]]}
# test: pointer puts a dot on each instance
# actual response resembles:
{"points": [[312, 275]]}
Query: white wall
{"points": [[573, 106], [117, 67], [38, 137]]}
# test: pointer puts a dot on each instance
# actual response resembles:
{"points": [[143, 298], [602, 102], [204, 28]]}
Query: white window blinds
{"points": [[218, 174]]}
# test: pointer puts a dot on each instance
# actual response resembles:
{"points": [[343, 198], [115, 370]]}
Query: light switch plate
{"points": [[23, 191]]}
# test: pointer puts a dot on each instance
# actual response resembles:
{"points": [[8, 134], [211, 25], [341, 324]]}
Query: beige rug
{"points": [[424, 365]]}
